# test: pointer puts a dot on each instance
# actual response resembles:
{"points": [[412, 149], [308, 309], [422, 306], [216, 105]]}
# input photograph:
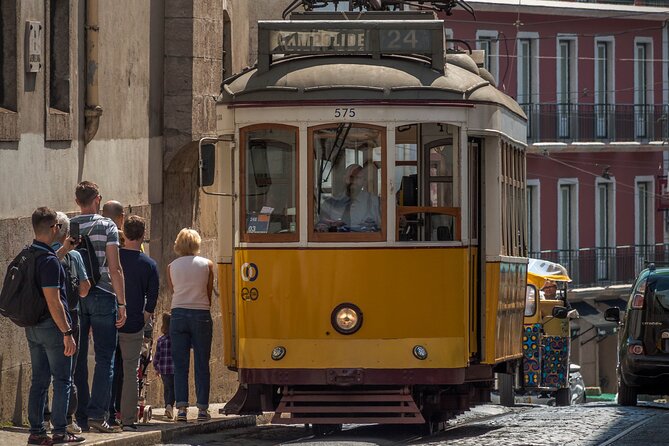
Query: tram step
{"points": [[385, 406]]}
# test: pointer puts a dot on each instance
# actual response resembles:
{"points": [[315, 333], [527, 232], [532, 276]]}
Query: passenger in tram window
{"points": [[356, 210], [549, 290]]}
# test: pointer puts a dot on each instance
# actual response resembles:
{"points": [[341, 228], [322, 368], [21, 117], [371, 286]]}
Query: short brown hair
{"points": [[187, 242], [43, 219], [86, 192], [134, 227]]}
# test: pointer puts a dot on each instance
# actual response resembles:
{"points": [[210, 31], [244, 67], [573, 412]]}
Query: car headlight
{"points": [[346, 318]]}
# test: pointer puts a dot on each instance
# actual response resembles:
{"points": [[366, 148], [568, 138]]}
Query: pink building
{"points": [[593, 80]]}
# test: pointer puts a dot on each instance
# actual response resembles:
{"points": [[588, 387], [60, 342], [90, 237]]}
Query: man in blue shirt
{"points": [[50, 341], [64, 247], [141, 294]]}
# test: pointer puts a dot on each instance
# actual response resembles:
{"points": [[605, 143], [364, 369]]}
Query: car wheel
{"points": [[563, 397], [626, 394]]}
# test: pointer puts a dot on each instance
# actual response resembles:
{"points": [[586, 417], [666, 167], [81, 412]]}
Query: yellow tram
{"points": [[371, 223]]}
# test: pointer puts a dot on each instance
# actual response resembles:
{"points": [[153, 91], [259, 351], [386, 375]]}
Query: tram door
{"points": [[476, 257]]}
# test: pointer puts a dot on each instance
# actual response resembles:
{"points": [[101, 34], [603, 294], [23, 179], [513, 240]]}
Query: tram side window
{"points": [[426, 172], [269, 185], [347, 182]]}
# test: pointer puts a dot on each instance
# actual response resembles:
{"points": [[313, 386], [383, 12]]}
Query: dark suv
{"points": [[643, 350]]}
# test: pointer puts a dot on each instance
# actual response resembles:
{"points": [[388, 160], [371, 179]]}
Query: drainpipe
{"points": [[93, 110]]}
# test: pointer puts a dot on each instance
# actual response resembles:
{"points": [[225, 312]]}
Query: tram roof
{"points": [[389, 78], [364, 57]]}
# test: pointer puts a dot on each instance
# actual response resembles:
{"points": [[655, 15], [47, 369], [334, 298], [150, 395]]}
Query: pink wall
{"points": [[624, 167], [548, 27]]}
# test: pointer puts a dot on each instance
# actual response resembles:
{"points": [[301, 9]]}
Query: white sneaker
{"points": [[169, 414], [73, 428], [46, 425]]}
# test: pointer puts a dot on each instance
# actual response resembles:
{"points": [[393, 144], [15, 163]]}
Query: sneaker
{"points": [[40, 440], [203, 415], [169, 412], [132, 427], [67, 438], [181, 415], [73, 428], [103, 427], [46, 424]]}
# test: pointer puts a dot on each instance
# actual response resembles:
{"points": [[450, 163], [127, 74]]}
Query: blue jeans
{"points": [[48, 360], [98, 312], [168, 389], [191, 328]]}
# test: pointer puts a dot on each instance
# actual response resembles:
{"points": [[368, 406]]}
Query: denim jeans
{"points": [[74, 400], [168, 389], [98, 312], [191, 328], [48, 360]]}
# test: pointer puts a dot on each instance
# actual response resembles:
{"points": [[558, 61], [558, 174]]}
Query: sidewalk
{"points": [[158, 430]]}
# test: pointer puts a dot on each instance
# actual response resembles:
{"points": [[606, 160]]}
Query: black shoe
{"points": [[40, 440], [103, 427], [67, 438]]}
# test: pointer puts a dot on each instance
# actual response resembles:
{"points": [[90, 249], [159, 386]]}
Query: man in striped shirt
{"points": [[103, 311]]}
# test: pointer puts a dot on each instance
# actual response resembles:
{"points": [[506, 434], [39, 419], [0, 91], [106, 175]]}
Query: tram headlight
{"points": [[278, 352], [346, 318], [420, 352]]}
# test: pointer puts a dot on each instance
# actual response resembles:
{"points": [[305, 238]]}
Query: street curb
{"points": [[162, 436]]}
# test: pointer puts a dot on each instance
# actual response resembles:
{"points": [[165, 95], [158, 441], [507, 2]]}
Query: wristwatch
{"points": [[68, 332]]}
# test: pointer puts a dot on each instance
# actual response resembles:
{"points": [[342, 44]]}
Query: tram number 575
{"points": [[344, 112]]}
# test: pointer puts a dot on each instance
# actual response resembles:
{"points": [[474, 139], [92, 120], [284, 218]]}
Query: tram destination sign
{"points": [[424, 37], [349, 41]]}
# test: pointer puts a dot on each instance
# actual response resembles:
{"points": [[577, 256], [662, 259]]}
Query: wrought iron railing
{"points": [[550, 122], [596, 267]]}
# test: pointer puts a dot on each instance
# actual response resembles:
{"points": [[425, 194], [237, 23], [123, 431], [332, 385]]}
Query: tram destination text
{"points": [[349, 41]]}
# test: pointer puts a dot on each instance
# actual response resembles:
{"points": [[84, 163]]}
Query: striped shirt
{"points": [[102, 232]]}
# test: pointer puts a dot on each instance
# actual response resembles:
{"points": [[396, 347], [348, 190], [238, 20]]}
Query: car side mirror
{"points": [[612, 314], [560, 312]]}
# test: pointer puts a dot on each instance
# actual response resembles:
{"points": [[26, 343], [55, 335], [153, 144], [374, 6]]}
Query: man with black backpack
{"points": [[76, 285], [103, 310], [50, 341]]}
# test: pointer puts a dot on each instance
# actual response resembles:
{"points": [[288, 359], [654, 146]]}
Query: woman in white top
{"points": [[191, 280]]}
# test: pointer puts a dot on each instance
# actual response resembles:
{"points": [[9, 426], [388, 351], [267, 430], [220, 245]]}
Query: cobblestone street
{"points": [[583, 425]]}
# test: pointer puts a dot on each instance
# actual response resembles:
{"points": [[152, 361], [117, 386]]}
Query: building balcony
{"points": [[569, 123], [602, 267]]}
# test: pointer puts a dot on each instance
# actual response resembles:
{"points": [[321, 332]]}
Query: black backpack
{"points": [[21, 299], [71, 282], [89, 257]]}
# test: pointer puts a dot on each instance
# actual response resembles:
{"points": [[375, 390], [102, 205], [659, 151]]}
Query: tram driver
{"points": [[356, 210]]}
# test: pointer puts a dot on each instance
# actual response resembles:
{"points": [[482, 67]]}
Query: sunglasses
{"points": [[58, 225]]}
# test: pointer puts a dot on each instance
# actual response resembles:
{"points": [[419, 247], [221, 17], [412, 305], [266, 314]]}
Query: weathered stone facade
{"points": [[159, 67]]}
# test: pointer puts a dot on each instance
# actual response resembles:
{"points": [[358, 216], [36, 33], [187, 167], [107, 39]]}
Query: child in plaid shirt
{"points": [[162, 361]]}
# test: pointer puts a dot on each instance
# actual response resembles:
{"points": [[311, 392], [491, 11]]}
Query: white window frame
{"points": [[534, 215], [564, 111], [604, 258], [611, 239], [448, 34], [639, 117], [493, 57], [650, 211], [601, 116], [534, 66], [573, 182]]}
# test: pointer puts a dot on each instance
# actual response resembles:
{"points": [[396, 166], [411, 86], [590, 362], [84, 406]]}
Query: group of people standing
{"points": [[115, 307]]}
